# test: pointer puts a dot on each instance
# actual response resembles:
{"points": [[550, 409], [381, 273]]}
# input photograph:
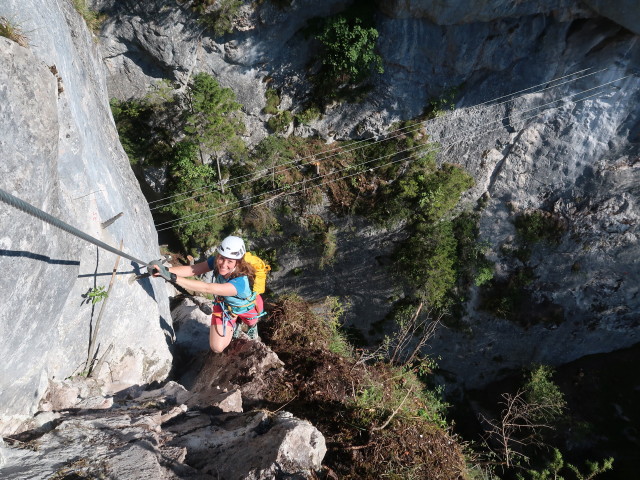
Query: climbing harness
{"points": [[231, 310], [56, 222]]}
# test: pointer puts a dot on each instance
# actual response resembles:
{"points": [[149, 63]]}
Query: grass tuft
{"points": [[13, 32]]}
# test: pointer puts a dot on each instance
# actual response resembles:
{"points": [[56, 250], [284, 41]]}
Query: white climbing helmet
{"points": [[232, 247]]}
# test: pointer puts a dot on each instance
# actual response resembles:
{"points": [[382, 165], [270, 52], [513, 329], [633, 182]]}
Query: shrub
{"points": [[273, 102], [329, 247], [348, 52], [526, 415], [280, 123], [538, 226], [540, 390], [399, 390], [471, 264], [212, 120], [508, 298], [440, 191], [338, 342], [261, 220], [446, 102], [219, 20], [309, 115]]}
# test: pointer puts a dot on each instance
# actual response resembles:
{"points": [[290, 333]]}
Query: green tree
{"points": [[212, 120], [198, 208], [142, 135], [426, 196], [557, 464], [528, 413], [539, 389], [427, 262], [348, 51], [146, 127]]}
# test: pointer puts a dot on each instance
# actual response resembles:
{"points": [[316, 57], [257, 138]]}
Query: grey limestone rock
{"points": [[163, 433], [245, 365], [280, 447], [522, 127], [60, 152]]}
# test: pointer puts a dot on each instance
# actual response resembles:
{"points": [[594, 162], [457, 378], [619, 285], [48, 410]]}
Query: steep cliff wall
{"points": [[546, 148], [550, 148], [59, 151]]}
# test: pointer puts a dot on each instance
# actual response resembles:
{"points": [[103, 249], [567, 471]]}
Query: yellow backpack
{"points": [[261, 268]]}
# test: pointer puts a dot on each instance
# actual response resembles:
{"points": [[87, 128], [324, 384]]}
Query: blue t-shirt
{"points": [[241, 283]]}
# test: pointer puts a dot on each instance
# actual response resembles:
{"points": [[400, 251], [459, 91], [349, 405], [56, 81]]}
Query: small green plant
{"points": [[538, 226], [273, 102], [556, 465], [483, 275], [219, 19], [309, 115], [446, 102], [13, 32], [338, 342], [93, 19], [280, 122], [95, 295]]}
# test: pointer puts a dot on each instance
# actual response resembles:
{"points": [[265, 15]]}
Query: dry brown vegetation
{"points": [[376, 418]]}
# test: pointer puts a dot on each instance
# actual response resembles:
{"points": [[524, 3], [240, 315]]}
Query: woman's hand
{"points": [[159, 270]]}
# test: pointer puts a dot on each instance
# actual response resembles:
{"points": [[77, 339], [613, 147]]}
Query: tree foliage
{"points": [[557, 464], [198, 206], [146, 127], [425, 196], [217, 15], [525, 416], [348, 51], [212, 119]]}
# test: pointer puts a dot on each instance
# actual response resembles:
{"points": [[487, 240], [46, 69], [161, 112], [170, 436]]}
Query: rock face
{"points": [[169, 444], [169, 432], [523, 127], [60, 152]]}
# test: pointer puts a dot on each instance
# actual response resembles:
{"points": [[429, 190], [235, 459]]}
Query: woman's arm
{"points": [[222, 289], [190, 270], [182, 271]]}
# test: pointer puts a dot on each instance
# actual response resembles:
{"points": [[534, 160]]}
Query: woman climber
{"points": [[233, 282]]}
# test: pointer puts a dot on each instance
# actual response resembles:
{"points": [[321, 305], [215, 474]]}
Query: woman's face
{"points": [[225, 265]]}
